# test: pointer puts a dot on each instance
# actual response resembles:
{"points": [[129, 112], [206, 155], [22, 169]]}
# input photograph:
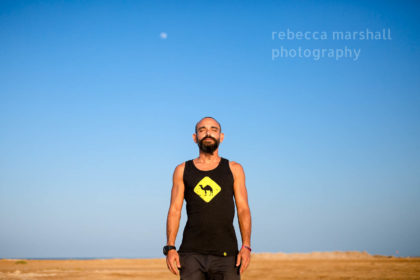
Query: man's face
{"points": [[208, 136]]}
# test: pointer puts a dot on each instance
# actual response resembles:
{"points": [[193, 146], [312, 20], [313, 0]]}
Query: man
{"points": [[209, 249]]}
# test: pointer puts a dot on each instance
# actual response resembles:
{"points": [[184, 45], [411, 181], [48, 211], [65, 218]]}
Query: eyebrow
{"points": [[205, 127]]}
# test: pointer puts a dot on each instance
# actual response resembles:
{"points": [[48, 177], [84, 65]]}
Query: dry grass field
{"points": [[325, 265]]}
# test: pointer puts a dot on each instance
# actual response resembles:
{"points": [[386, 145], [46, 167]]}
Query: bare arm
{"points": [[174, 215], [244, 213], [241, 198], [177, 198]]}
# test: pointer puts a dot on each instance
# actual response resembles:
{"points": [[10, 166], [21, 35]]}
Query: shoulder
{"points": [[179, 170], [180, 166], [236, 168], [234, 164]]}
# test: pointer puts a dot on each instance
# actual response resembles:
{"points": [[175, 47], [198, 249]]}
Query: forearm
{"points": [[172, 226], [244, 218]]}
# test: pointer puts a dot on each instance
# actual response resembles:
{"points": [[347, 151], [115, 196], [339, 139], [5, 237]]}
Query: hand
{"points": [[172, 261], [243, 259]]}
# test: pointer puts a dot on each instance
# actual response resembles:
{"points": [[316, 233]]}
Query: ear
{"points": [[194, 136], [222, 136]]}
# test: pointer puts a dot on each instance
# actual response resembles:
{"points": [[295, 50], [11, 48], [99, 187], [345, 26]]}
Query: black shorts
{"points": [[208, 267]]}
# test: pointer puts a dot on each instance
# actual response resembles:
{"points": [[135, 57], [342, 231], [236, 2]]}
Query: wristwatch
{"points": [[167, 248]]}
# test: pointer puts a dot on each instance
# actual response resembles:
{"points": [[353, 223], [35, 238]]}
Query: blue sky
{"points": [[96, 110]]}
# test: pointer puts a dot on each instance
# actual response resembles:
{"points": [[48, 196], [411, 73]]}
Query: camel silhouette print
{"points": [[207, 188]]}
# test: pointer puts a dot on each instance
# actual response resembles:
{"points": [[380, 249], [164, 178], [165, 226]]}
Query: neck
{"points": [[208, 158]]}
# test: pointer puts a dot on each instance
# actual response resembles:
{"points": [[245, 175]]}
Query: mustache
{"points": [[208, 137]]}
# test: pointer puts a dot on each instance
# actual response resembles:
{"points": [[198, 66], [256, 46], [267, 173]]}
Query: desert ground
{"points": [[316, 265]]}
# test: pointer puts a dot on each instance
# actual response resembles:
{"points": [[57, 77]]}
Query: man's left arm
{"points": [[244, 214]]}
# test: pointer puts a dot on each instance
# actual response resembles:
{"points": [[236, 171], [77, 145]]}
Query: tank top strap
{"points": [[224, 162], [188, 163]]}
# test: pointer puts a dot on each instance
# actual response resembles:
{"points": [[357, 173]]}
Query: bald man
{"points": [[210, 185]]}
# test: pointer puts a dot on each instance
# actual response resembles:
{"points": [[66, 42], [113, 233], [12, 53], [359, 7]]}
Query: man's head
{"points": [[208, 134]]}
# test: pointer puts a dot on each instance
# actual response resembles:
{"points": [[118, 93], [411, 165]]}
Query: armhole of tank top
{"points": [[187, 165], [230, 169], [185, 168], [227, 163]]}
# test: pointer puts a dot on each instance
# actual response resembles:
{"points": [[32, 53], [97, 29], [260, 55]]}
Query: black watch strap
{"points": [[167, 248]]}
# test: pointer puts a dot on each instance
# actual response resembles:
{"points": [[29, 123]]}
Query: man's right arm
{"points": [[174, 215]]}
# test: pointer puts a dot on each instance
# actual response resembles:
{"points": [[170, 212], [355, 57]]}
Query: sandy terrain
{"points": [[326, 265]]}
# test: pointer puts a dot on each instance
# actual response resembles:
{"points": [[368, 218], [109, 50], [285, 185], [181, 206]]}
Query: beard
{"points": [[208, 148]]}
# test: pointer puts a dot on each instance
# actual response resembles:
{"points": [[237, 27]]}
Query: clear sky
{"points": [[97, 107]]}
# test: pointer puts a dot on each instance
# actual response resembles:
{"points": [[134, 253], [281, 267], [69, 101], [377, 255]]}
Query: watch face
{"points": [[166, 249]]}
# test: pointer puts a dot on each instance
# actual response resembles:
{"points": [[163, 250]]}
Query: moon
{"points": [[163, 35]]}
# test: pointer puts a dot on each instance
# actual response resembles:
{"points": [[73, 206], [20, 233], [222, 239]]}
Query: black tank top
{"points": [[210, 209]]}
